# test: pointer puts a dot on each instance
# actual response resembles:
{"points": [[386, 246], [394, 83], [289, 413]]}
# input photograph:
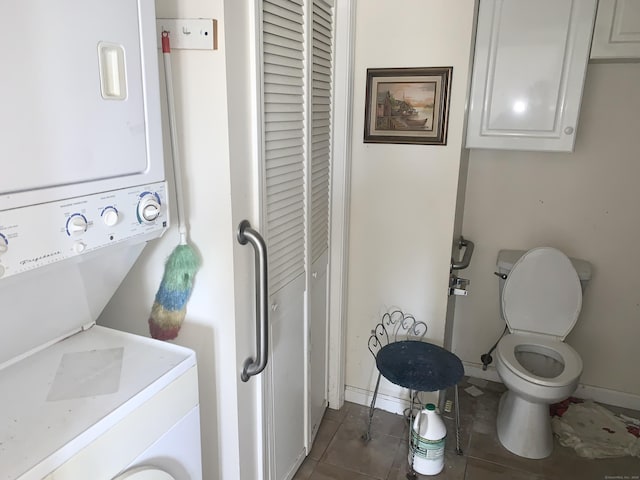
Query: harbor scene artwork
{"points": [[407, 105]]}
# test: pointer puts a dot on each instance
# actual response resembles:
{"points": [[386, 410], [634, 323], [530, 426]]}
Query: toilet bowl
{"points": [[537, 372], [541, 299]]}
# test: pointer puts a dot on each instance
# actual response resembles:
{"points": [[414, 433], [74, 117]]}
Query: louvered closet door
{"points": [[283, 38], [320, 147], [284, 213], [321, 52]]}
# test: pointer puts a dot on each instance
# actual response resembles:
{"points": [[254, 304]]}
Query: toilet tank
{"points": [[508, 258]]}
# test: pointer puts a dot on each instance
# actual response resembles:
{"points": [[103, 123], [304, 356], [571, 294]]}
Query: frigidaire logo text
{"points": [[41, 257]]}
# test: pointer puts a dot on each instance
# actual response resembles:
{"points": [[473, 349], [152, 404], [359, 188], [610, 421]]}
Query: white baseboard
{"points": [[475, 370], [610, 397], [296, 465], [384, 402], [590, 392]]}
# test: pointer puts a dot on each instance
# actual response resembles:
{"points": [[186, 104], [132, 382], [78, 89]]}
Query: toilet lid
{"points": [[145, 473], [542, 294]]}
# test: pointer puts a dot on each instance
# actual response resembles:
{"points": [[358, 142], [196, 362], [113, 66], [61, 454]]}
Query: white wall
{"points": [[584, 203], [403, 197], [200, 86]]}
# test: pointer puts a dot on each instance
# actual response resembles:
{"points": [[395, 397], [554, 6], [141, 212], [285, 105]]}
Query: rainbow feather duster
{"points": [[170, 305]]}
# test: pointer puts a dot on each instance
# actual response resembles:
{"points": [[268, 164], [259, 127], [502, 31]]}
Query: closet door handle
{"points": [[251, 366]]}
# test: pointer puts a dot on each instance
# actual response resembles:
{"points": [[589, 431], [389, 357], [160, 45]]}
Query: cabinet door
{"points": [[528, 73], [617, 31]]}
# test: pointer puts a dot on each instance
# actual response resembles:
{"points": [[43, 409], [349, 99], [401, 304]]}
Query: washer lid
{"points": [[542, 294], [75, 391], [145, 473]]}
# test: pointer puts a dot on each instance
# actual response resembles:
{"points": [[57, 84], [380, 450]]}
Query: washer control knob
{"points": [[4, 244], [148, 207], [110, 216], [76, 225], [79, 247]]}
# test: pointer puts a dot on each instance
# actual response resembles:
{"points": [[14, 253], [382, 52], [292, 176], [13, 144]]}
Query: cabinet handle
{"points": [[252, 367]]}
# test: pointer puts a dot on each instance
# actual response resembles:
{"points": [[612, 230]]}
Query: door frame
{"points": [[345, 15]]}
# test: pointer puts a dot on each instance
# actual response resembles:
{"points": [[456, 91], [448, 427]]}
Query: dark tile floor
{"points": [[339, 453]]}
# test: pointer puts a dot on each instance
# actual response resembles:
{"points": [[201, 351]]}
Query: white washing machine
{"points": [[82, 191], [101, 404]]}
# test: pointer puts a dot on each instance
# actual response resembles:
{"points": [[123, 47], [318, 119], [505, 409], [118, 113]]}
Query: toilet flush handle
{"points": [[501, 275]]}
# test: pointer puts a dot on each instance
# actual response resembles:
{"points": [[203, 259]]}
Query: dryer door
{"points": [[79, 96], [145, 473]]}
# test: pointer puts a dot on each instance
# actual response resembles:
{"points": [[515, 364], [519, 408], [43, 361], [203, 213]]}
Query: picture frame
{"points": [[407, 105]]}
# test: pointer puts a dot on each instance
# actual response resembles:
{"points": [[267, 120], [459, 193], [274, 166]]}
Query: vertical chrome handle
{"points": [[466, 258], [253, 367]]}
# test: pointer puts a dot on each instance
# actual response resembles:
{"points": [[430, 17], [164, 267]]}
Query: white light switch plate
{"points": [[189, 33]]}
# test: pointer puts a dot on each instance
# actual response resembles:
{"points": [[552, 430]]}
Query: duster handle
{"points": [[175, 151]]}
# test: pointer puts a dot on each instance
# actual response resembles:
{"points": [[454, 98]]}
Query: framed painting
{"points": [[407, 105]]}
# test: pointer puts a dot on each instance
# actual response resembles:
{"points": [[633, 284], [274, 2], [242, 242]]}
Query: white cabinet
{"points": [[528, 73], [617, 31]]}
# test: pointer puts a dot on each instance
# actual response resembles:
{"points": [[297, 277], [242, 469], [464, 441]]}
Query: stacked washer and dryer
{"points": [[82, 190]]}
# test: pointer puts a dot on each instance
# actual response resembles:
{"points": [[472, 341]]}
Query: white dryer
{"points": [[82, 191]]}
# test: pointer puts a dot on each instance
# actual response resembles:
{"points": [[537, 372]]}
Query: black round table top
{"points": [[419, 366]]}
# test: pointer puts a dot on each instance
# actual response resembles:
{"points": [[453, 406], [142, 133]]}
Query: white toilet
{"points": [[541, 297]]}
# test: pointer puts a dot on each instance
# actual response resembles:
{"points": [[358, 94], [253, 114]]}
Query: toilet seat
{"points": [[542, 294], [506, 350]]}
